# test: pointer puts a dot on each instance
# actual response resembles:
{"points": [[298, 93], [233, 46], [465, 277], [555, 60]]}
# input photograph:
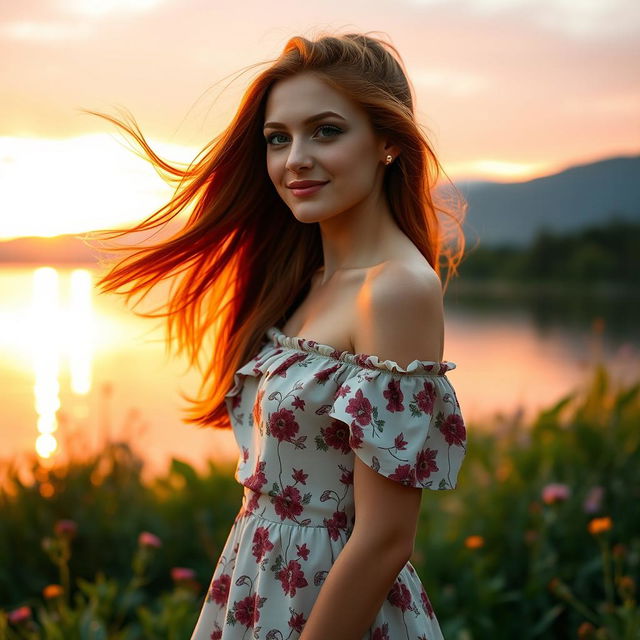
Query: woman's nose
{"points": [[299, 157]]}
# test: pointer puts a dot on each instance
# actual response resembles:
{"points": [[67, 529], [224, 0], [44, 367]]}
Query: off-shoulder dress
{"points": [[300, 412]]}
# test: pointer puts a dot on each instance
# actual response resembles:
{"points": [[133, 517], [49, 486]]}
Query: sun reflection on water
{"points": [[56, 331]]}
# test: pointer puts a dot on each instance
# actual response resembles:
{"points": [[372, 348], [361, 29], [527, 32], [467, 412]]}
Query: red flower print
{"points": [[235, 402], [291, 578], [303, 551], [246, 611], [400, 443], [426, 603], [261, 543], [355, 438], [347, 477], [426, 463], [381, 633], [453, 429], [323, 376], [336, 435], [425, 398], [400, 596], [337, 522], [219, 589], [283, 425], [287, 504], [299, 476], [216, 634], [258, 479], [297, 622], [257, 407], [342, 391], [360, 408], [404, 474], [291, 360], [298, 403], [245, 454], [394, 395]]}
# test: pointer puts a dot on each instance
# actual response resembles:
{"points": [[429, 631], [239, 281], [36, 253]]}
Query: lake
{"points": [[77, 367]]}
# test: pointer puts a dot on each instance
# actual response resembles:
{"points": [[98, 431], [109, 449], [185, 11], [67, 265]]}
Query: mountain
{"points": [[513, 213]]}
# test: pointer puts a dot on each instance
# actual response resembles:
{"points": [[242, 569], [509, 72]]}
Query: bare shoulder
{"points": [[399, 313]]}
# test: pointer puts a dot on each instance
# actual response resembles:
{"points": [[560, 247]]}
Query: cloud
{"points": [[99, 8], [45, 31], [576, 18]]}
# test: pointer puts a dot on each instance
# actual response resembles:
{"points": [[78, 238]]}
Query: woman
{"points": [[313, 253]]}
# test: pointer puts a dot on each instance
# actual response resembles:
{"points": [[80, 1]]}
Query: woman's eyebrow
{"points": [[318, 116]]}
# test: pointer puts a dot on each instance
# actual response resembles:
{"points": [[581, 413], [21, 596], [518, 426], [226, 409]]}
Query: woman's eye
{"points": [[271, 139], [329, 128]]}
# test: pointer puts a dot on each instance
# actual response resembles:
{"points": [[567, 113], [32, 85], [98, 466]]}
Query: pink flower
{"points": [[426, 603], [555, 492], [381, 633], [21, 614], [182, 574], [146, 539], [65, 528], [360, 408], [593, 502], [394, 395]]}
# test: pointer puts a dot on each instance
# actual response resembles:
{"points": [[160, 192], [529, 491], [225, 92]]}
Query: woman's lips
{"points": [[307, 191]]}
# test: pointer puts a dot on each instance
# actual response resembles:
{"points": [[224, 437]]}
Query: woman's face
{"points": [[304, 143]]}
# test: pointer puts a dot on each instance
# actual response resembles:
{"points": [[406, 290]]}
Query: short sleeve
{"points": [[408, 428]]}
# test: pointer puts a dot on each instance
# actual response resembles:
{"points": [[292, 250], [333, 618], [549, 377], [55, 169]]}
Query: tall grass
{"points": [[541, 539]]}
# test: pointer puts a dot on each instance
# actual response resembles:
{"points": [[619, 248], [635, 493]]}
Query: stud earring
{"points": [[389, 159]]}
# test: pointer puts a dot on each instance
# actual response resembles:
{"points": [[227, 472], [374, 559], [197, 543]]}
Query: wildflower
{"points": [[599, 525], [146, 539], [474, 542], [619, 550], [52, 591], [626, 587], [586, 631], [21, 614], [65, 528], [593, 501], [182, 574], [559, 588], [555, 492]]}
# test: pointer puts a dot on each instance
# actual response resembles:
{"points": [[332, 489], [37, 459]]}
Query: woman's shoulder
{"points": [[399, 313]]}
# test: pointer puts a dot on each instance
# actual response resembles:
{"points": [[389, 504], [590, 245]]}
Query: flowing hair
{"points": [[241, 262]]}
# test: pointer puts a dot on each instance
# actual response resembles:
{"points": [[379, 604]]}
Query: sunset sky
{"points": [[507, 89]]}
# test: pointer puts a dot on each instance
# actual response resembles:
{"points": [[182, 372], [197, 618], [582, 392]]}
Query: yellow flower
{"points": [[474, 542], [599, 525], [52, 591]]}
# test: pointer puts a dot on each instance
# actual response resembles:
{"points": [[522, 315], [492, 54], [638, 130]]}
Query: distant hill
{"points": [[511, 214], [499, 214]]}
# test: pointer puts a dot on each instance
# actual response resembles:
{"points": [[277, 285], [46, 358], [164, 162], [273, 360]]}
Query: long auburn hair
{"points": [[245, 262]]}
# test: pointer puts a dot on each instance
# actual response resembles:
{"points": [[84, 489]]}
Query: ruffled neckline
{"points": [[296, 343]]}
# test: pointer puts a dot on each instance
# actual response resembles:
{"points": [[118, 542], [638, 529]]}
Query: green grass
{"points": [[499, 558]]}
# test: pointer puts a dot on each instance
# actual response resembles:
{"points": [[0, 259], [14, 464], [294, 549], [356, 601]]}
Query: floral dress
{"points": [[300, 412]]}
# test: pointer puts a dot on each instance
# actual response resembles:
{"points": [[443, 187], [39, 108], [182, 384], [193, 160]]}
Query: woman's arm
{"points": [[364, 572]]}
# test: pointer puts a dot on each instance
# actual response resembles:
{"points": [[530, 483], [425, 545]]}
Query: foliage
{"points": [[604, 253], [539, 540]]}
